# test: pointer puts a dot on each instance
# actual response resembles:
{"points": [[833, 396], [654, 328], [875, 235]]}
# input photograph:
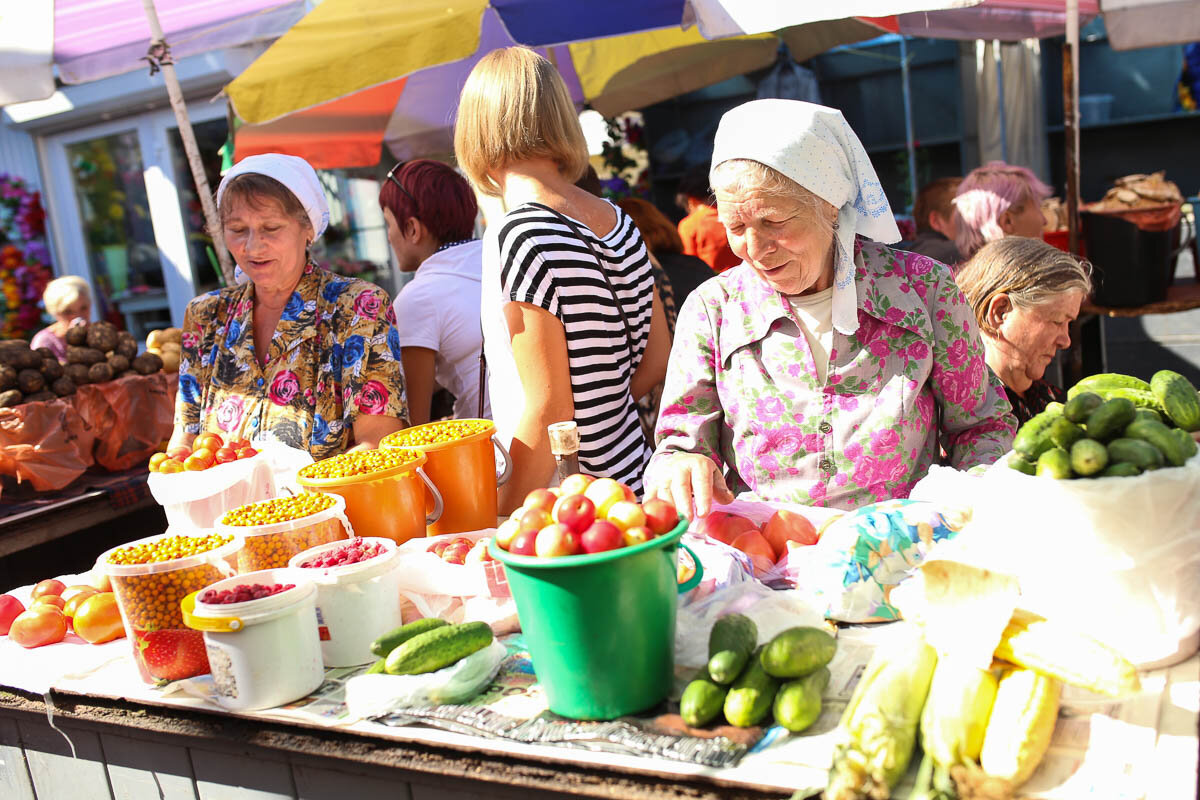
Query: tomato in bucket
{"points": [[461, 462]]}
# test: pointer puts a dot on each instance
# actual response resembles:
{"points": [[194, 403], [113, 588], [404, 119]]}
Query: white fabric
{"points": [[721, 18], [815, 147], [439, 310], [814, 312], [294, 173], [26, 51]]}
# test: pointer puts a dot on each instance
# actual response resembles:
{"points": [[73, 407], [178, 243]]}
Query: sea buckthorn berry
{"points": [[437, 433], [278, 509], [360, 462]]}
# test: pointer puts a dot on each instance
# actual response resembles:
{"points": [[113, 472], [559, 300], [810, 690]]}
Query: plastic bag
{"points": [[130, 417], [772, 610], [196, 500], [474, 591], [1116, 557], [285, 462], [863, 555], [372, 695], [46, 443]]}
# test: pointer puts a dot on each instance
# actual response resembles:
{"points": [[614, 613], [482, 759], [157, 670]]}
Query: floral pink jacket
{"points": [[742, 387]]}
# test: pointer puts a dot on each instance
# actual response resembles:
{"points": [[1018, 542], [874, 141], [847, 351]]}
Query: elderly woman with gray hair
{"points": [[1025, 294], [828, 368]]}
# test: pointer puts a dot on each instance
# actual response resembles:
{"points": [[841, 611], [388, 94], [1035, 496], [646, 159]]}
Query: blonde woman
{"points": [[67, 299], [572, 326], [1025, 295]]}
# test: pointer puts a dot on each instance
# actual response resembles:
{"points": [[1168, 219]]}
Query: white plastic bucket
{"points": [[262, 653], [355, 602]]}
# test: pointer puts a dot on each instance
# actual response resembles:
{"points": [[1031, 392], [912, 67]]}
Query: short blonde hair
{"points": [[745, 176], [62, 293], [515, 106], [1029, 271]]}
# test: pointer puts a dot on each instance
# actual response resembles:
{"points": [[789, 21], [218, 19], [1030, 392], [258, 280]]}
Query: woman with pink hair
{"points": [[997, 200]]}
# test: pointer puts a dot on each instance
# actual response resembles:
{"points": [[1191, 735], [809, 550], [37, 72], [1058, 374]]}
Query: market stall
{"points": [[592, 645]]}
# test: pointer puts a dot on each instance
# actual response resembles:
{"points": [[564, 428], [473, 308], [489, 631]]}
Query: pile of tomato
{"points": [[54, 608], [207, 450]]}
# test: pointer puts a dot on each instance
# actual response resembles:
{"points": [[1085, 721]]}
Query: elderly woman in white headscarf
{"points": [[294, 353], [827, 369]]}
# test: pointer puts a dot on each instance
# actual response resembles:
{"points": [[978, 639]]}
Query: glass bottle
{"points": [[564, 445]]}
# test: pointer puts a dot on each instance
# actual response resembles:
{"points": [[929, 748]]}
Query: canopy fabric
{"points": [[1006, 20], [95, 39], [1150, 23]]}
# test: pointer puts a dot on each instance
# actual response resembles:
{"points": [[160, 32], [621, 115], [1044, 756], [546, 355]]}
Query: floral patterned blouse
{"points": [[335, 355], [742, 387]]}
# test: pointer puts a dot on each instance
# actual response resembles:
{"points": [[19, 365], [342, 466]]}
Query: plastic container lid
{"points": [[223, 553], [347, 573]]}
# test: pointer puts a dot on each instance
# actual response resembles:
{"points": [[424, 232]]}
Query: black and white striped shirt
{"points": [[538, 260]]}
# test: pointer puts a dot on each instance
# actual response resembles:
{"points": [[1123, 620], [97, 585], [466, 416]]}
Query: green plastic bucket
{"points": [[601, 628]]}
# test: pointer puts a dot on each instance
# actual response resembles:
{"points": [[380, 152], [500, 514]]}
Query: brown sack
{"points": [[47, 443], [130, 418]]}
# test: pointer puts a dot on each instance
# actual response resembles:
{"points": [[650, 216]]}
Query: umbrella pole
{"points": [[1071, 122], [175, 94], [909, 138]]}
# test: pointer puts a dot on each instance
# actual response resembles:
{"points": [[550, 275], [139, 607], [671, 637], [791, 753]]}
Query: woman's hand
{"points": [[692, 482]]}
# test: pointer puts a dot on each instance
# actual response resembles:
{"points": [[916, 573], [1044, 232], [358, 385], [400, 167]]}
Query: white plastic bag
{"points": [[285, 462], [474, 591], [1117, 557], [372, 695], [196, 500]]}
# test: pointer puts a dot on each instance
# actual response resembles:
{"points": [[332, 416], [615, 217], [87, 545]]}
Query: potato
{"points": [[170, 359], [126, 347], [46, 352], [16, 353], [99, 373], [84, 355], [30, 381], [63, 386], [171, 336], [40, 397], [147, 364], [77, 335], [8, 377], [154, 340], [78, 373], [51, 369], [12, 397], [118, 362], [102, 336]]}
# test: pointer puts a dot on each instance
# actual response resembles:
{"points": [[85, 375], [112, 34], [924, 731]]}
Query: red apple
{"points": [[636, 535], [575, 484], [604, 492], [534, 519], [601, 535], [625, 515], [437, 547], [456, 551], [575, 511], [540, 498], [753, 544], [507, 531], [723, 526], [556, 540], [661, 516], [629, 495], [785, 526], [523, 544], [479, 553]]}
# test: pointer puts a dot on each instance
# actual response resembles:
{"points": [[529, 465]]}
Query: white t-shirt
{"points": [[439, 310], [814, 312]]}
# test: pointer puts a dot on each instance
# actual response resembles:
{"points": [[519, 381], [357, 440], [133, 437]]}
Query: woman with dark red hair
{"points": [[430, 212]]}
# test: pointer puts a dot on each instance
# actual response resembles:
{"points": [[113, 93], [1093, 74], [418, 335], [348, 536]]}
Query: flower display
{"points": [[24, 258]]}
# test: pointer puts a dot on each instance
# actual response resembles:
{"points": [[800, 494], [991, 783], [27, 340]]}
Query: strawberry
{"points": [[170, 655]]}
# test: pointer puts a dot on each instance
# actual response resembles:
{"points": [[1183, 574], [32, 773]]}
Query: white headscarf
{"points": [[294, 173], [814, 146]]}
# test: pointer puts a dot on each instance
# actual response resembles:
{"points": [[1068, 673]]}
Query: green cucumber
{"points": [[798, 703], [1178, 398], [1121, 469], [1088, 457], [751, 695], [1106, 381], [702, 700], [796, 652], [1065, 433], [1056, 463], [730, 643], [1135, 451], [1022, 465], [1107, 421], [1081, 405], [1186, 443], [1033, 438], [377, 668], [398, 636], [1160, 436], [438, 648], [1147, 413]]}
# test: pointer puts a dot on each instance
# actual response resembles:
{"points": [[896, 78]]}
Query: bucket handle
{"points": [[694, 581], [211, 624], [438, 505], [506, 473]]}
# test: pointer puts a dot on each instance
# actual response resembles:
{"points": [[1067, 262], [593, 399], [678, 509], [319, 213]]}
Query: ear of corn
{"points": [[1022, 723], [879, 727], [1061, 652], [955, 717]]}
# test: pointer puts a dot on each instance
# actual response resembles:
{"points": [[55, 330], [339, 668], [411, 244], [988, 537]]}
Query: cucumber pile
{"points": [[786, 676], [1111, 426], [427, 645]]}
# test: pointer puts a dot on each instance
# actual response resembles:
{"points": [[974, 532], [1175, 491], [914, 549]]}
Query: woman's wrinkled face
{"points": [[777, 238], [266, 242], [1036, 333]]}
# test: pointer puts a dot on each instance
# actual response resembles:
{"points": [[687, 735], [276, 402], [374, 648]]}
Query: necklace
{"points": [[455, 243]]}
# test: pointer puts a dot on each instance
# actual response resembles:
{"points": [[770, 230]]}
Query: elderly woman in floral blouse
{"points": [[827, 369], [295, 354]]}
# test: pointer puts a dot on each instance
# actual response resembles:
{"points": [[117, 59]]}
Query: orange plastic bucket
{"points": [[462, 468], [387, 502]]}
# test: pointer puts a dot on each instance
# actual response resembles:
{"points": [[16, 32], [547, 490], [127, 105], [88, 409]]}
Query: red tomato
{"points": [[41, 624], [10, 608], [208, 441], [238, 444], [225, 455], [48, 586], [98, 620], [76, 601], [247, 452], [179, 453], [49, 600], [170, 465], [200, 459], [156, 460]]}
